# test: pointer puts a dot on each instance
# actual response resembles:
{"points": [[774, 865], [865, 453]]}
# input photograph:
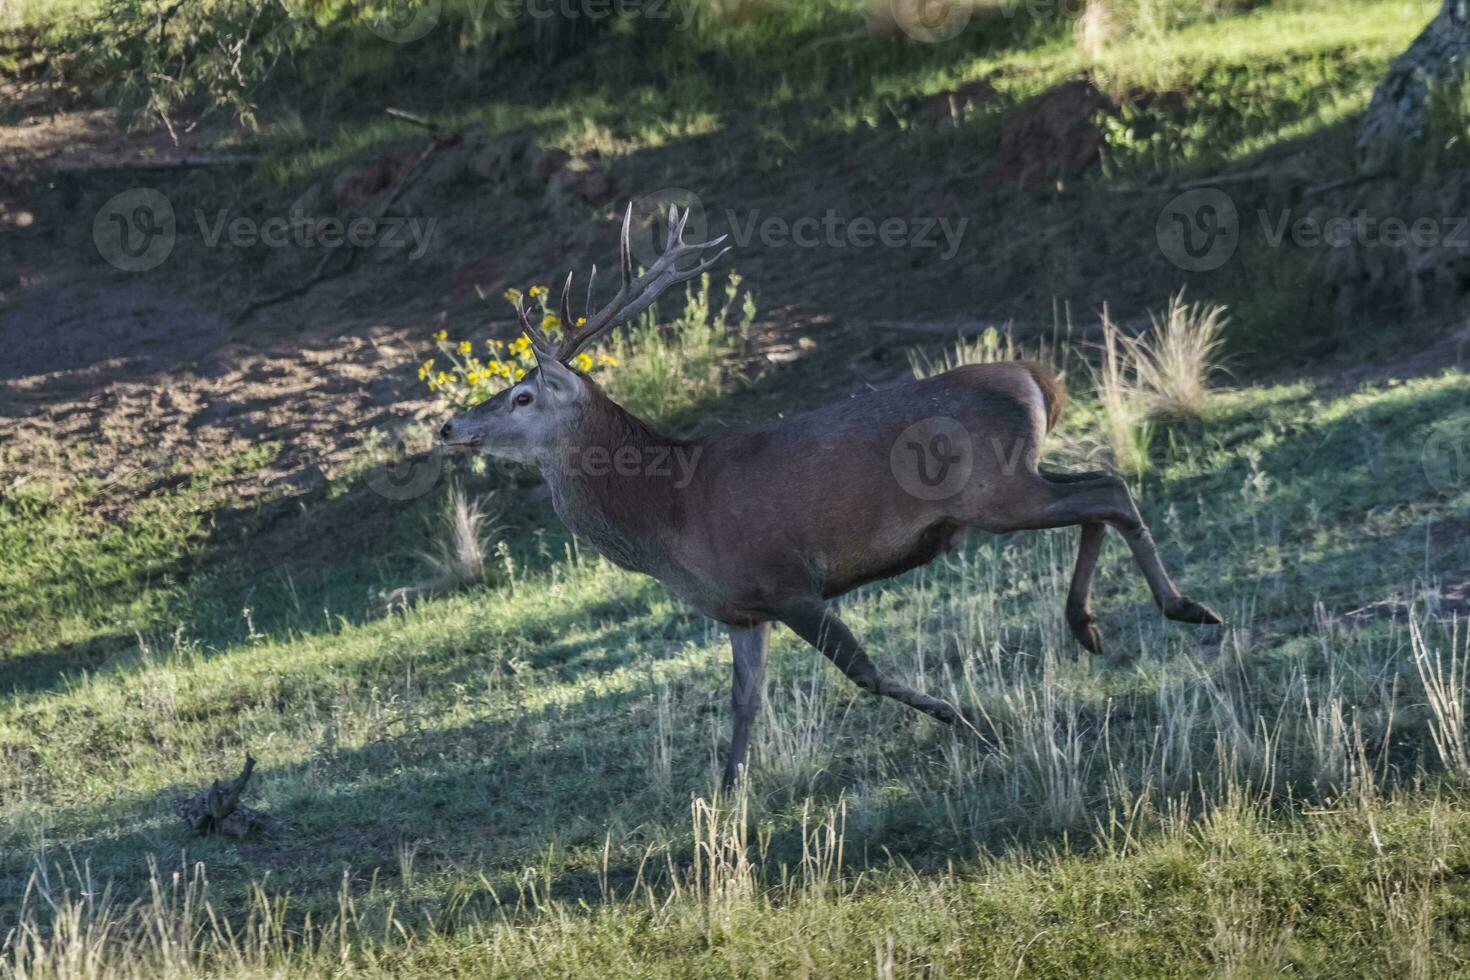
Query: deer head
{"points": [[527, 421]]}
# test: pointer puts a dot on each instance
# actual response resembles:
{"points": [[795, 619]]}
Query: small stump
{"points": [[218, 810]]}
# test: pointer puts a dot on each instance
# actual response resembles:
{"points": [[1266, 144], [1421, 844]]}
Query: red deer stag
{"points": [[769, 523]]}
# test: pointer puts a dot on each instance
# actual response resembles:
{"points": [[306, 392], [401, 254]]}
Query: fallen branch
{"points": [[441, 139], [177, 163], [218, 810], [1337, 185]]}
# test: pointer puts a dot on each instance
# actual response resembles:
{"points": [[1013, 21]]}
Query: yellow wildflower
{"points": [[584, 362], [581, 320], [442, 335], [520, 374], [514, 295], [537, 292], [465, 347], [473, 378], [607, 359], [551, 322]]}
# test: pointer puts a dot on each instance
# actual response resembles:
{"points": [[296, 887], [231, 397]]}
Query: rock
{"points": [[1054, 136], [356, 186], [497, 158], [579, 183], [954, 106], [544, 163]]}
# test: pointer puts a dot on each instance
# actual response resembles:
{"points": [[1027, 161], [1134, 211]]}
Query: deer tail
{"points": [[1053, 395]]}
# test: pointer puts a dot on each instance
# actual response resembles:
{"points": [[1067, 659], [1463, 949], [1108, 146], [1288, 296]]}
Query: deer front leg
{"points": [[815, 623], [1089, 547], [749, 645]]}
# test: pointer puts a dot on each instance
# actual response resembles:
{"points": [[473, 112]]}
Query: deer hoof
{"points": [[1085, 630], [1186, 610]]}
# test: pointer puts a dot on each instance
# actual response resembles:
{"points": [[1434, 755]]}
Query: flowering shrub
{"points": [[469, 379]]}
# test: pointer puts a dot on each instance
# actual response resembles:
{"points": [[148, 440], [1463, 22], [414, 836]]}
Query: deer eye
{"points": [[523, 399]]}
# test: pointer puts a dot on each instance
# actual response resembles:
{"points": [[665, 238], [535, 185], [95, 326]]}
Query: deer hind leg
{"points": [[749, 645], [1060, 500], [1089, 547], [815, 623]]}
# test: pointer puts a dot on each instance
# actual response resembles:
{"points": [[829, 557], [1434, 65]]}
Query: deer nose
{"points": [[446, 431]]}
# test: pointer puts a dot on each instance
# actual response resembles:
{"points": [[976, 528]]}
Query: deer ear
{"points": [[555, 377]]}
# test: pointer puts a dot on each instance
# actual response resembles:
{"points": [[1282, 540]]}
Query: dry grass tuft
{"points": [[458, 559], [989, 347], [1174, 362], [1125, 428], [1162, 374]]}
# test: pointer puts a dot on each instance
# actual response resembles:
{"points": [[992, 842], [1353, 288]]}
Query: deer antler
{"points": [[635, 295]]}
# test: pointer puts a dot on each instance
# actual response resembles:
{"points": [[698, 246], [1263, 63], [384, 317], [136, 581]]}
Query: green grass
{"points": [[500, 781], [519, 779]]}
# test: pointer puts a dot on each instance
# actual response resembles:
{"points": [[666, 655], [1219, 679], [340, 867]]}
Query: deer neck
{"points": [[618, 482]]}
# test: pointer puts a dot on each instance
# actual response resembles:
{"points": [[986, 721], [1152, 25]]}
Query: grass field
{"points": [[501, 781], [519, 778]]}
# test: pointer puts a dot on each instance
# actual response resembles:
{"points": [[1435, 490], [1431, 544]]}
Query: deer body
{"points": [[767, 524]]}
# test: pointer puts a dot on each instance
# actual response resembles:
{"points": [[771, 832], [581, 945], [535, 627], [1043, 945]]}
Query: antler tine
{"points": [[625, 248], [566, 304], [544, 346], [591, 278], [637, 295], [671, 277], [676, 227]]}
